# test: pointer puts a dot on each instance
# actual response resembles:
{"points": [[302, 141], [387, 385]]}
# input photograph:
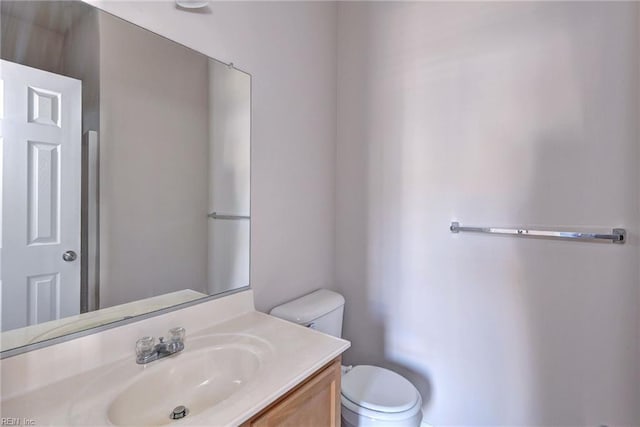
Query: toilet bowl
{"points": [[374, 396], [371, 396]]}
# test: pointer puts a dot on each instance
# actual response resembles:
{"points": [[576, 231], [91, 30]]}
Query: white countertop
{"points": [[82, 398]]}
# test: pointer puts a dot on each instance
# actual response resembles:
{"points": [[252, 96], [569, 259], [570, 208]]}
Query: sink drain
{"points": [[179, 412]]}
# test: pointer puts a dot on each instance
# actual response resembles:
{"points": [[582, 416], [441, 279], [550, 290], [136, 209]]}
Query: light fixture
{"points": [[192, 4]]}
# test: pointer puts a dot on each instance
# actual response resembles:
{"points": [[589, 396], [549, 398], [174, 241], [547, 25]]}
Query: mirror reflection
{"points": [[125, 171]]}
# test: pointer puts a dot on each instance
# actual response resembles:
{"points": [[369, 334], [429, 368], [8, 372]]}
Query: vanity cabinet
{"points": [[314, 403]]}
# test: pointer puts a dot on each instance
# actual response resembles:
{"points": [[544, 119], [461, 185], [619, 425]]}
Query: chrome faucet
{"points": [[147, 350]]}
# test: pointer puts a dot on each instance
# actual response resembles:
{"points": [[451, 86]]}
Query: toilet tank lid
{"points": [[309, 307]]}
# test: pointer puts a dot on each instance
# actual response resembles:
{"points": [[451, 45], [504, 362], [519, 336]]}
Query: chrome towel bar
{"points": [[216, 215], [618, 235]]}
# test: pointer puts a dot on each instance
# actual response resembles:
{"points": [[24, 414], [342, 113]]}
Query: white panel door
{"points": [[41, 165]]}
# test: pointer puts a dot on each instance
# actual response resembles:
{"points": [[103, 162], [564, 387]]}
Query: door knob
{"points": [[69, 256]]}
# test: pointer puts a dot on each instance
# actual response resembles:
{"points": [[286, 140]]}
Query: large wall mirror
{"points": [[125, 172]]}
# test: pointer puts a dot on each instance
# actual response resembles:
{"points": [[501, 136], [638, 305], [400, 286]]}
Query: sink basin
{"points": [[209, 371]]}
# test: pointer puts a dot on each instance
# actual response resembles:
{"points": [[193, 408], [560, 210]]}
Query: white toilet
{"points": [[371, 396]]}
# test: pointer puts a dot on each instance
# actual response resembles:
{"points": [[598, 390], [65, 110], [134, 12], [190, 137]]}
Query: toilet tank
{"points": [[321, 310]]}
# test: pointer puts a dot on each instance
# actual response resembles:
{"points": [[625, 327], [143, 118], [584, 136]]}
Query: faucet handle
{"points": [[145, 347], [176, 335]]}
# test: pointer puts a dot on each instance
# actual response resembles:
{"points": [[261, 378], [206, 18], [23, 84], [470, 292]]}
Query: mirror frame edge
{"points": [[111, 325]]}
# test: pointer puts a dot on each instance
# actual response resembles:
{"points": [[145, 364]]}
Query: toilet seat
{"points": [[352, 411], [379, 393]]}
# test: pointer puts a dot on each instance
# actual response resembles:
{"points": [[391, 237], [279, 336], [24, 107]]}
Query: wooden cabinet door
{"points": [[316, 403]]}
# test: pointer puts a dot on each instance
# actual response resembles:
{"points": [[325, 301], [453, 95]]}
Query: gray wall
{"points": [[28, 44], [81, 60], [492, 114], [153, 165], [229, 177]]}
